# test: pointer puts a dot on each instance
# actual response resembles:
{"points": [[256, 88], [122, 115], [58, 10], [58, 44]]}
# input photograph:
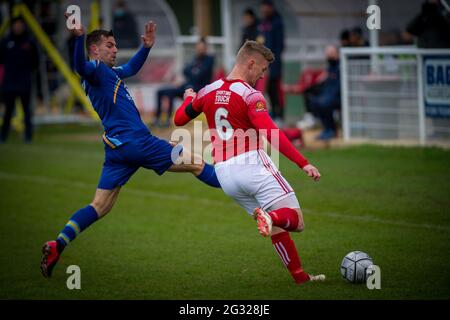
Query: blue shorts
{"points": [[123, 161]]}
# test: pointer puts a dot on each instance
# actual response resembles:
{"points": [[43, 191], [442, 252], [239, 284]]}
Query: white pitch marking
{"points": [[180, 197]]}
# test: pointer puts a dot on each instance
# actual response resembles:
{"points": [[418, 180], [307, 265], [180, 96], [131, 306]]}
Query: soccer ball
{"points": [[354, 266]]}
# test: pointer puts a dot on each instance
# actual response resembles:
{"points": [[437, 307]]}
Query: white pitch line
{"points": [[58, 150], [84, 185], [368, 218], [181, 197]]}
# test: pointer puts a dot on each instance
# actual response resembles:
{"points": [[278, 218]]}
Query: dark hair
{"points": [[250, 12], [345, 35], [203, 40], [95, 37]]}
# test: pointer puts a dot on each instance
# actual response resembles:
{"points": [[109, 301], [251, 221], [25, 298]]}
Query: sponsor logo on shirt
{"points": [[223, 97], [260, 106]]}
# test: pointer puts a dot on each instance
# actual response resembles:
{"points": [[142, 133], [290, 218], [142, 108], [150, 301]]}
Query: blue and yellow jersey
{"points": [[109, 95]]}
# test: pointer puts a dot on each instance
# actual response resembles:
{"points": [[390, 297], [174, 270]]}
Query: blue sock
{"points": [[80, 220], [209, 177]]}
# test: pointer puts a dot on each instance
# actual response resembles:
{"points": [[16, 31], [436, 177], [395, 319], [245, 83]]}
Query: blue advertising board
{"points": [[436, 91]]}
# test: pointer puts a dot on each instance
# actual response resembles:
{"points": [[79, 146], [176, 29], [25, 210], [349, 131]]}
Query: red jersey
{"points": [[237, 118], [229, 107]]}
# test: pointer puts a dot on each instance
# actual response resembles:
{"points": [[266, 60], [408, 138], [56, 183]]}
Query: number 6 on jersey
{"points": [[223, 126]]}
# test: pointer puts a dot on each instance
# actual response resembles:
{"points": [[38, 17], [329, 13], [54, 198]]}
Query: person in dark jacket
{"points": [[431, 26], [271, 30], [124, 26], [198, 74], [250, 28], [329, 98], [19, 55]]}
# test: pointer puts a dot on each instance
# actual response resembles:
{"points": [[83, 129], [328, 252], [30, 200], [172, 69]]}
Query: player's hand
{"points": [[74, 31], [148, 38], [312, 172], [189, 93]]}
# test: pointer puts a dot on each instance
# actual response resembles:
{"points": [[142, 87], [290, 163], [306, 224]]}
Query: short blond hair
{"points": [[250, 47]]}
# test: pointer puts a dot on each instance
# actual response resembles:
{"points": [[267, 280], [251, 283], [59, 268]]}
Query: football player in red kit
{"points": [[238, 118]]}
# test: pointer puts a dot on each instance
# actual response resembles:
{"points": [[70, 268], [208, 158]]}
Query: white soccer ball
{"points": [[354, 266]]}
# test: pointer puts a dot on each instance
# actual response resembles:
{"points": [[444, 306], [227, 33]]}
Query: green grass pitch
{"points": [[172, 237]]}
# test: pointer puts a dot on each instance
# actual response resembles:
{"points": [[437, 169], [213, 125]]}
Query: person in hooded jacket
{"points": [[19, 55]]}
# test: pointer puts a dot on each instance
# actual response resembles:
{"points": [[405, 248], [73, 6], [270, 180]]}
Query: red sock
{"points": [[285, 218], [285, 248]]}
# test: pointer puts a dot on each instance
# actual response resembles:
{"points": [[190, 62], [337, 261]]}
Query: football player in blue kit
{"points": [[128, 142]]}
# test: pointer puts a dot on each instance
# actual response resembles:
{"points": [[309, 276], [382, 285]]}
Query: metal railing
{"points": [[383, 95]]}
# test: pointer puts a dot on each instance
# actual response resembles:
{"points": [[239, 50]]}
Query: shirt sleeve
{"points": [[134, 65], [185, 113], [86, 69], [197, 103], [189, 109], [260, 118]]}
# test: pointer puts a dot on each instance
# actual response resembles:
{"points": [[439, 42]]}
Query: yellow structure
{"points": [[41, 36]]}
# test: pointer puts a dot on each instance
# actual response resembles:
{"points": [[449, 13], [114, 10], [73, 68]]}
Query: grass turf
{"points": [[172, 237]]}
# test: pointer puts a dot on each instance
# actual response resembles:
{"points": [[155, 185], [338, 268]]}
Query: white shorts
{"points": [[253, 180]]}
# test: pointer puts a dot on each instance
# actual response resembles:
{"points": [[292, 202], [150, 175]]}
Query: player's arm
{"points": [[84, 68], [263, 123], [187, 111], [137, 61]]}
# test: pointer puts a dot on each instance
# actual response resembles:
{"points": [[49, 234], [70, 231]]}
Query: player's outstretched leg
{"points": [[208, 176], [50, 257], [53, 249], [80, 220], [285, 247], [194, 164]]}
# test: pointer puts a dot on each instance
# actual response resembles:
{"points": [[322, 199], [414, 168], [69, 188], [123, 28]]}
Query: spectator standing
{"points": [[250, 28], [431, 26], [124, 26], [271, 30], [19, 55]]}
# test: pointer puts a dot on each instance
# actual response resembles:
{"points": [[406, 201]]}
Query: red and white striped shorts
{"points": [[253, 180]]}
